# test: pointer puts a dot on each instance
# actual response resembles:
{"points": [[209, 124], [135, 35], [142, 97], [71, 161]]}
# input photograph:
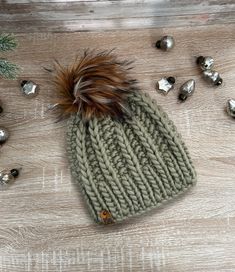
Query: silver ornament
{"points": [[205, 63], [166, 43], [29, 88], [7, 176], [4, 135], [165, 84], [213, 77], [231, 107], [187, 89]]}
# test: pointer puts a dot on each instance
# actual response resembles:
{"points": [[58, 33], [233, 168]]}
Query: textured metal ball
{"points": [[4, 135], [231, 107], [187, 89], [166, 43], [213, 77], [164, 85], [29, 88], [5, 177], [205, 63]]}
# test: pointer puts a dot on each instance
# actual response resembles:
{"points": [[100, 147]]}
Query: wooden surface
{"points": [[44, 223], [90, 15]]}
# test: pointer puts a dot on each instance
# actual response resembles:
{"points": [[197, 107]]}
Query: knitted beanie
{"points": [[125, 166]]}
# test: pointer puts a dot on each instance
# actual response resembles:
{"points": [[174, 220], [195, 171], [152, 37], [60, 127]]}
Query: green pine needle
{"points": [[7, 42], [8, 70]]}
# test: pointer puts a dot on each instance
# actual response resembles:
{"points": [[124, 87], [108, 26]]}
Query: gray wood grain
{"points": [[44, 223], [54, 16]]}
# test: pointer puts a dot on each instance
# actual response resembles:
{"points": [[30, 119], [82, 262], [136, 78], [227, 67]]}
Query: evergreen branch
{"points": [[8, 70], [7, 42]]}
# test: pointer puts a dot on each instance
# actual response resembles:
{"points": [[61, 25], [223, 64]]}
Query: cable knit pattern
{"points": [[128, 167]]}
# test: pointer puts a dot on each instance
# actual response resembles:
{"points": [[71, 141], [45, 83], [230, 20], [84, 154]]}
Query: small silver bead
{"points": [[29, 88], [231, 107], [165, 84], [166, 43], [213, 77], [187, 89], [4, 135], [5, 177], [205, 63]]}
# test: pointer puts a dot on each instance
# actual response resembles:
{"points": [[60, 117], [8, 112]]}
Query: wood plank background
{"points": [[54, 15], [44, 223]]}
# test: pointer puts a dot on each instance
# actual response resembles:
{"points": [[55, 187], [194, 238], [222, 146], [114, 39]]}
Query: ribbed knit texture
{"points": [[128, 167]]}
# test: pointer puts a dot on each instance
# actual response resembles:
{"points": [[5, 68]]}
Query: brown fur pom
{"points": [[97, 85]]}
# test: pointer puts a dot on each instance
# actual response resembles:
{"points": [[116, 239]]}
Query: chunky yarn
{"points": [[126, 167]]}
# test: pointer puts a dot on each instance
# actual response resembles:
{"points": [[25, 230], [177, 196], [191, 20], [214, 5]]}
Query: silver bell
{"points": [[6, 176], [187, 89], [166, 84], [4, 135], [231, 107], [29, 88], [205, 63], [166, 43], [213, 77]]}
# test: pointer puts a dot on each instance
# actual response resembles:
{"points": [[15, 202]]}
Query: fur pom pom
{"points": [[97, 85]]}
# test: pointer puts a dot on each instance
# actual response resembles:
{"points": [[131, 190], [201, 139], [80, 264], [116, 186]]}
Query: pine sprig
{"points": [[7, 42], [8, 70]]}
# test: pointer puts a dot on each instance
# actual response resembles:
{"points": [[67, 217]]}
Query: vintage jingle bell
{"points": [[166, 43], [205, 63], [29, 88], [7, 176], [213, 77], [166, 84], [231, 107], [4, 135], [187, 89]]}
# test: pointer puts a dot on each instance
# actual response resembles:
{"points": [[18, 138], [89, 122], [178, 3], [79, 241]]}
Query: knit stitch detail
{"points": [[131, 166]]}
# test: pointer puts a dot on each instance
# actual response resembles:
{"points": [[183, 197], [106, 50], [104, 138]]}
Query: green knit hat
{"points": [[128, 166]]}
